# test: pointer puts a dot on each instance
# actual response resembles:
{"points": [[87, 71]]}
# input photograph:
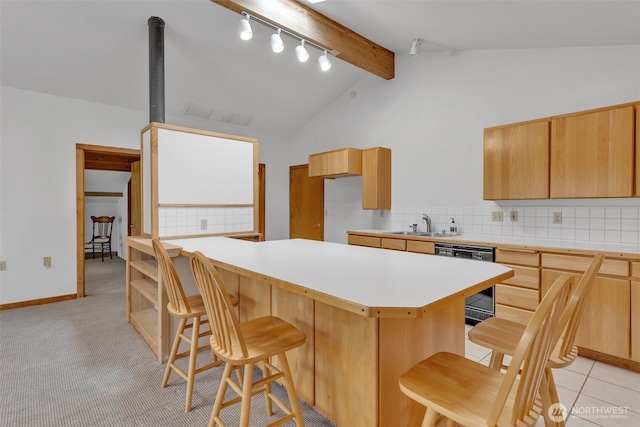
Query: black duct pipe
{"points": [[156, 69]]}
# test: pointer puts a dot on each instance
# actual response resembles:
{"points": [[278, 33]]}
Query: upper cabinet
{"points": [[637, 108], [376, 178], [516, 161], [336, 163], [374, 164], [592, 154], [588, 154]]}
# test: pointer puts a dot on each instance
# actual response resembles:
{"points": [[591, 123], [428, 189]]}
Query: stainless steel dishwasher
{"points": [[480, 306]]}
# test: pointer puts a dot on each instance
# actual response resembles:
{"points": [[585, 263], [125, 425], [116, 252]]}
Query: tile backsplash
{"points": [[603, 224], [191, 221]]}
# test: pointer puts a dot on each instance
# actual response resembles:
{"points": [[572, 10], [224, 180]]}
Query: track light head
{"points": [[301, 52], [324, 62], [244, 27], [415, 47], [276, 42]]}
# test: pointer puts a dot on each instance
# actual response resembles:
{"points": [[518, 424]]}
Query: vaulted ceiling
{"points": [[98, 50]]}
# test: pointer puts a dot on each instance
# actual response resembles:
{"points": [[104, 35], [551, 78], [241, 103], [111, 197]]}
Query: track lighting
{"points": [[301, 52], [276, 42], [415, 47], [244, 27], [277, 45], [324, 61]]}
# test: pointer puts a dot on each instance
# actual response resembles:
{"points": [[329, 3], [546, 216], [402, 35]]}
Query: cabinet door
{"points": [[376, 178], [635, 321], [592, 154], [516, 161], [605, 325], [637, 107]]}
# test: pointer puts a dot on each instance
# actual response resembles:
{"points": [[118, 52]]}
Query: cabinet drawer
{"points": [[635, 269], [527, 277], [397, 244], [516, 297], [373, 242], [506, 256], [612, 267], [517, 315], [421, 247]]}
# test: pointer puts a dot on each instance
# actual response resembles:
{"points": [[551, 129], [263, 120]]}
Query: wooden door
{"points": [[135, 201], [306, 204]]}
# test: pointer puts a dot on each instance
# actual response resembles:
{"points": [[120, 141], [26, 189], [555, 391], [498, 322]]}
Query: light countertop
{"points": [[365, 276], [528, 242]]}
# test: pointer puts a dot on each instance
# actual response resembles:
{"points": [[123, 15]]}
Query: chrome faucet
{"points": [[428, 221]]}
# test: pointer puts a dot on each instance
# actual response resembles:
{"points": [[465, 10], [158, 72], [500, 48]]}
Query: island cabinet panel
{"points": [[428, 335], [336, 163], [516, 161], [346, 356], [605, 326], [254, 299], [592, 154], [299, 311]]}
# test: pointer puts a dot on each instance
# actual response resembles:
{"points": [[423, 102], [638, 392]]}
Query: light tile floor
{"points": [[596, 394]]}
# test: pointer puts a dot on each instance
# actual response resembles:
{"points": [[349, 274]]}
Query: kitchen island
{"points": [[369, 315]]}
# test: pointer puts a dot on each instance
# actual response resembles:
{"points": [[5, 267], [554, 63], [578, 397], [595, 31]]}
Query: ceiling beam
{"points": [[313, 26]]}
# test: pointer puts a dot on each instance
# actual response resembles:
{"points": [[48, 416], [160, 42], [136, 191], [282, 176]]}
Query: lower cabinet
{"points": [[518, 297], [605, 326]]}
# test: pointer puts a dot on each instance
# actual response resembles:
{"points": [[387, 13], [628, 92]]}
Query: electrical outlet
{"points": [[47, 261], [557, 217], [514, 216], [496, 216], [203, 224], [3, 265]]}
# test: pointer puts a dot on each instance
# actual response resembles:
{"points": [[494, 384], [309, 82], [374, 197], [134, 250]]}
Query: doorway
{"points": [[306, 204], [96, 157]]}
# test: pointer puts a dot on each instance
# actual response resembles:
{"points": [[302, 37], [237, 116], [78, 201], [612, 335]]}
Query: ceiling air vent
{"points": [[216, 115]]}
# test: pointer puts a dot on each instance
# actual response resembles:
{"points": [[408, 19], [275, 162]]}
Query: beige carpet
{"points": [[79, 363]]}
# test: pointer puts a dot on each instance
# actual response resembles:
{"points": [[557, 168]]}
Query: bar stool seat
{"points": [[246, 344], [191, 312]]}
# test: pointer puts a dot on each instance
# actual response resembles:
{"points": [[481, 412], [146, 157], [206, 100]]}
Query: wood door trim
{"points": [[116, 159]]}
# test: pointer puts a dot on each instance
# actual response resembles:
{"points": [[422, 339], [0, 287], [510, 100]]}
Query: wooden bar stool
{"points": [[190, 310], [245, 345], [469, 393], [502, 336]]}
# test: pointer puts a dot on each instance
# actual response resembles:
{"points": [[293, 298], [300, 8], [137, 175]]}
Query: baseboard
{"points": [[609, 359], [37, 301]]}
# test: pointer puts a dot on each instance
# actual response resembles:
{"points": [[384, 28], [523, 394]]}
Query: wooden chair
{"points": [[245, 345], [185, 308], [469, 393], [502, 336], [101, 238]]}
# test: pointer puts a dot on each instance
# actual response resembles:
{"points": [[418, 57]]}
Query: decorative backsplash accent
{"points": [[188, 221], [602, 224]]}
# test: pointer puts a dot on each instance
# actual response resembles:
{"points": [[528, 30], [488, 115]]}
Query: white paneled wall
{"points": [[600, 224], [187, 221]]}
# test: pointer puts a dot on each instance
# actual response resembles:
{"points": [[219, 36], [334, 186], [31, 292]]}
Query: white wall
{"points": [[38, 136], [433, 113]]}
